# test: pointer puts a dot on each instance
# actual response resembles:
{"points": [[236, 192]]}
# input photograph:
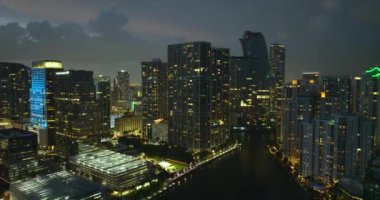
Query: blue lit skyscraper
{"points": [[42, 99]]}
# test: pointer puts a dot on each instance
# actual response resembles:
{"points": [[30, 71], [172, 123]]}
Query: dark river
{"points": [[250, 174]]}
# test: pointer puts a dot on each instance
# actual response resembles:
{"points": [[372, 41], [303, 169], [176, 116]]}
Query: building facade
{"points": [[14, 90], [370, 101], [277, 82], [154, 92], [75, 109], [220, 96], [103, 99], [42, 99], [121, 89], [18, 149], [189, 95]]}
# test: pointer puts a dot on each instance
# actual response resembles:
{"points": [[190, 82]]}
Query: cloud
{"points": [[112, 47], [108, 23], [320, 35]]}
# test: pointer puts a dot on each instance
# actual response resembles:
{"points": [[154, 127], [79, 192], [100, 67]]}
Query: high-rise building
{"points": [[338, 147], [42, 99], [355, 93], [103, 98], [256, 63], [370, 101], [338, 88], [14, 90], [121, 88], [277, 82], [75, 110], [154, 92], [255, 48], [300, 106], [220, 100], [242, 88], [189, 95]]}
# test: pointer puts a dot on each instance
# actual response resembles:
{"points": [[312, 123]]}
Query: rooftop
{"points": [[106, 161], [353, 187], [59, 185], [14, 133]]}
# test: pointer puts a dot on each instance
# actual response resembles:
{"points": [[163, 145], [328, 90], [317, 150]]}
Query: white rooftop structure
{"points": [[59, 185]]}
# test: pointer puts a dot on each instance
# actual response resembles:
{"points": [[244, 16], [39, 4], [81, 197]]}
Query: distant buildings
{"points": [[121, 89], [369, 102], [103, 99], [14, 90], [42, 99], [129, 123]]}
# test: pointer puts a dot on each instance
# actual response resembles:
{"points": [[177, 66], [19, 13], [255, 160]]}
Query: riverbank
{"points": [[172, 182], [249, 174]]}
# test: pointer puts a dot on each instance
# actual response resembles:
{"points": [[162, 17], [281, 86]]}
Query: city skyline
{"points": [[141, 30], [189, 99]]}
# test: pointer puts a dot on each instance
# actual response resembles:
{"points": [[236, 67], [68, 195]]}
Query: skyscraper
{"points": [[75, 109], [338, 88], [220, 98], [42, 99], [300, 106], [370, 100], [189, 95], [242, 90], [255, 48], [256, 65], [277, 82], [154, 92], [337, 147], [103, 98], [355, 93], [14, 90], [122, 88]]}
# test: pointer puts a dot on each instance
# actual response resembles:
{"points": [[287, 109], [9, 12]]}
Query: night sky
{"points": [[330, 36]]}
